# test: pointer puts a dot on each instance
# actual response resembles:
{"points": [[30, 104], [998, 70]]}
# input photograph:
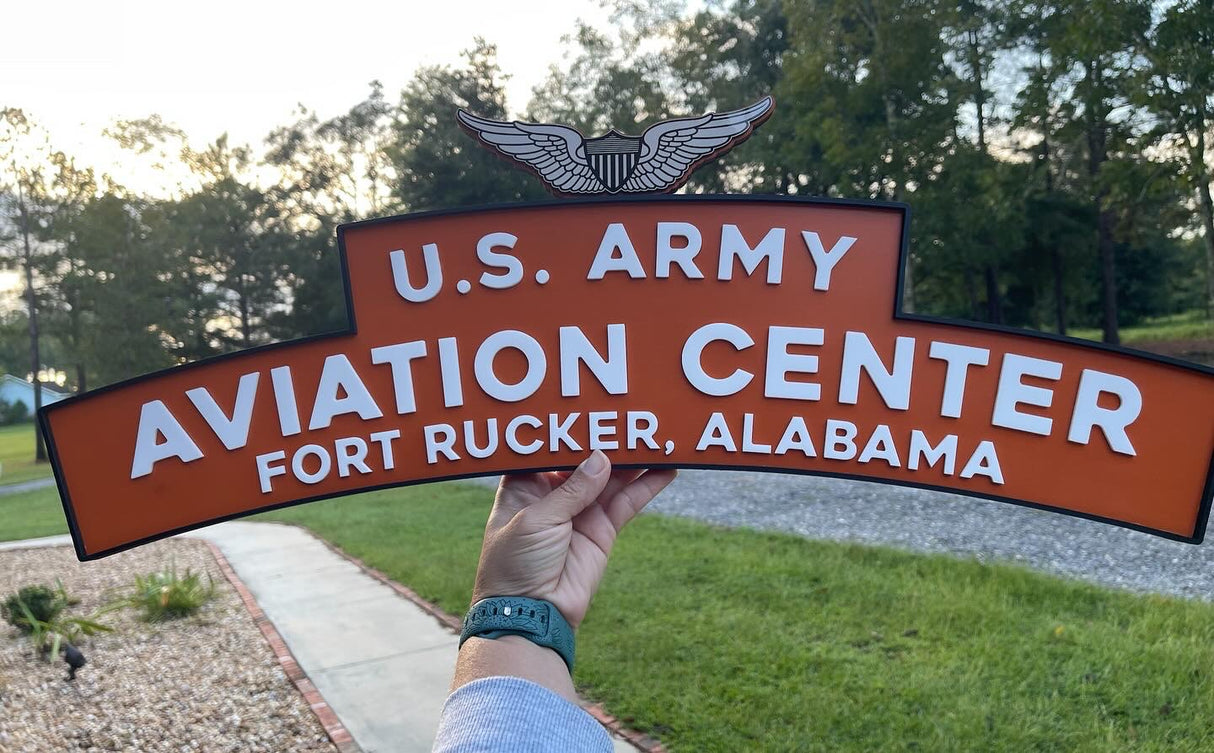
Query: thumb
{"points": [[578, 492]]}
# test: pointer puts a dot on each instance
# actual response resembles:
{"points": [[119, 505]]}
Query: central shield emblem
{"points": [[613, 158]]}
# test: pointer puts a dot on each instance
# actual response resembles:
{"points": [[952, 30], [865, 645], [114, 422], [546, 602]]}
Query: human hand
{"points": [[550, 534]]}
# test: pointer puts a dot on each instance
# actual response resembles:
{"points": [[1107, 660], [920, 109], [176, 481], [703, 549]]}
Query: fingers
{"points": [[514, 492], [620, 477], [623, 493], [578, 492], [517, 491], [630, 500]]}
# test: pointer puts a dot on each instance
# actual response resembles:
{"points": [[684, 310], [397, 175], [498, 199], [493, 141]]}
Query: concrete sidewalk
{"points": [[381, 662], [26, 486], [63, 540]]}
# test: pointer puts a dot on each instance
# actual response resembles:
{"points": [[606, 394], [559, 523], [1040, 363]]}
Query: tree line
{"points": [[1055, 156]]}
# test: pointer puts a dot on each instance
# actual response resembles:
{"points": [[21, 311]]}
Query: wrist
{"points": [[513, 656], [518, 645], [489, 587]]}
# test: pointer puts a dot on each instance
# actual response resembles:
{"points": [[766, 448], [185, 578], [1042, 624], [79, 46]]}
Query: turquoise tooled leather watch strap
{"points": [[538, 621]]}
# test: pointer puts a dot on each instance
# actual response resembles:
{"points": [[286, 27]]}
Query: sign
{"points": [[698, 332]]}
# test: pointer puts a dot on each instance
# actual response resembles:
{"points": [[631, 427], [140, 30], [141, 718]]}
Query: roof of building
{"points": [[10, 379]]}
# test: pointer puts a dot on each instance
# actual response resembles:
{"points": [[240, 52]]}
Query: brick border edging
{"points": [[337, 732], [638, 740]]}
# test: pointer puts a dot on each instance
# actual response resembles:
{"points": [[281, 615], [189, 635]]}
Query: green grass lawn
{"points": [[1193, 325], [17, 455], [31, 514], [733, 640], [727, 640]]}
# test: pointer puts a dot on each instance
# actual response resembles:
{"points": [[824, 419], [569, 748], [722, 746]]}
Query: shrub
{"points": [[34, 603], [37, 611], [166, 595], [47, 636], [13, 413]]}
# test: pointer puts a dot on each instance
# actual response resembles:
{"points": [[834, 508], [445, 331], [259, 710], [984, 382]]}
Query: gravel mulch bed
{"points": [[205, 683], [842, 510]]}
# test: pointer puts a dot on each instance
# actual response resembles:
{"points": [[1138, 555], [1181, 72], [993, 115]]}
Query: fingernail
{"points": [[595, 464]]}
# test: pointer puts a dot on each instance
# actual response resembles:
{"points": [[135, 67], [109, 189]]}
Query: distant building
{"points": [[17, 390]]}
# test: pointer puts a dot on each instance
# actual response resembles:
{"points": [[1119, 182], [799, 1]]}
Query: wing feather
{"points": [[670, 150], [553, 152]]}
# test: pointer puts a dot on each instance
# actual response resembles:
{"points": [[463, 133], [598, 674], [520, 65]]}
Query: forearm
{"points": [[513, 656]]}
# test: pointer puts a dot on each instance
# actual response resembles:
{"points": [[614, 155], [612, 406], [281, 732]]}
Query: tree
{"points": [[437, 165], [234, 237], [975, 33], [607, 84], [23, 179], [71, 285], [727, 56], [1178, 88], [1052, 208], [1088, 52], [867, 86], [336, 169], [330, 172], [125, 304]]}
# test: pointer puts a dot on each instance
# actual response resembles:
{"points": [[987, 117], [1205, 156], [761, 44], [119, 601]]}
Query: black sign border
{"points": [[904, 209]]}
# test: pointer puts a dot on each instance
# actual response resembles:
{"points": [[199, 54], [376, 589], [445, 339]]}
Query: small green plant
{"points": [[166, 595], [35, 603], [48, 635]]}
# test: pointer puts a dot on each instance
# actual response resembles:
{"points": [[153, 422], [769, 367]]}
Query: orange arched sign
{"points": [[718, 332]]}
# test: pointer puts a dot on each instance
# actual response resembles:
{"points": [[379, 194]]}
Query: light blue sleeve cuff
{"points": [[500, 714]]}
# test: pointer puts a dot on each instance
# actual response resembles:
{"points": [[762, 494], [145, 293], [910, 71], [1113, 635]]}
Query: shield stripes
{"points": [[612, 169], [613, 158]]}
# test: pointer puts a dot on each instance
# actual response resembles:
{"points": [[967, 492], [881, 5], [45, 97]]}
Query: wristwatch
{"points": [[538, 621]]}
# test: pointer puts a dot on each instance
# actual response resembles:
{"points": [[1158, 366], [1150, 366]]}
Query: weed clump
{"points": [[168, 595]]}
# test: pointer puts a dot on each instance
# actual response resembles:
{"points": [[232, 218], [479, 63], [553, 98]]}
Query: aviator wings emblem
{"points": [[658, 161]]}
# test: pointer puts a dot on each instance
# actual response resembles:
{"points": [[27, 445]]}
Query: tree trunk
{"points": [[871, 17], [971, 291], [908, 273], [1108, 274], [81, 385], [1097, 156], [1059, 291], [1207, 206], [35, 358], [1055, 249], [979, 89], [245, 329], [1207, 221], [994, 300]]}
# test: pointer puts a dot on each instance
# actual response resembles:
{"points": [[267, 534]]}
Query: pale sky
{"points": [[242, 67]]}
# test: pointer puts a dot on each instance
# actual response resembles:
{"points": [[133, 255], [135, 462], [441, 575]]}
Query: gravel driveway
{"points": [[825, 508]]}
